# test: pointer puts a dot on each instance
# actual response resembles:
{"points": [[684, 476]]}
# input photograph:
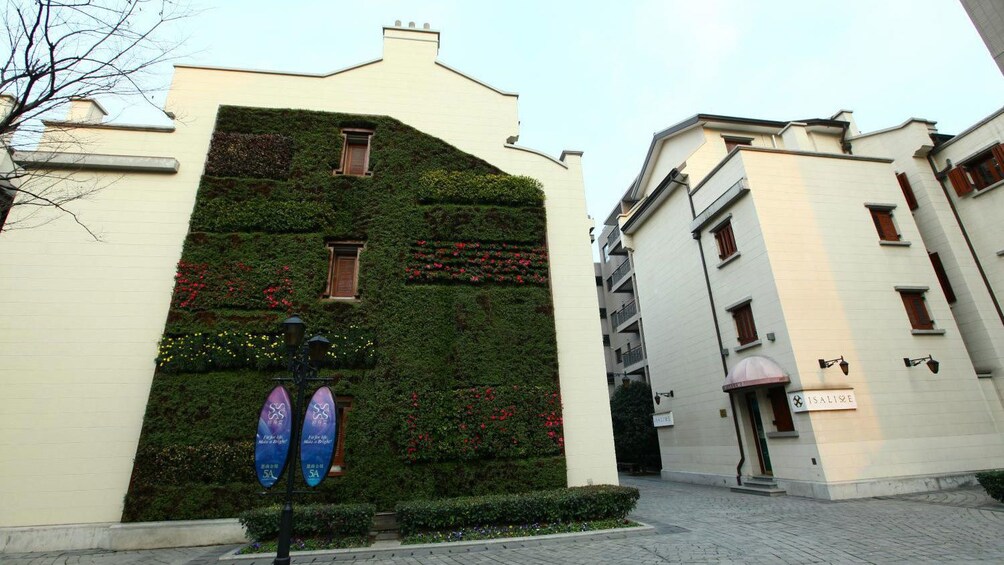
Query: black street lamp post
{"points": [[303, 363]]}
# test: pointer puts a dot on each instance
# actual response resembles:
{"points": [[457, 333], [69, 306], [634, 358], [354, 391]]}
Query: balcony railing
{"points": [[613, 236], [632, 356], [624, 314], [618, 274]]}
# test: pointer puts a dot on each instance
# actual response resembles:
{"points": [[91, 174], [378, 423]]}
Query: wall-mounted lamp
{"points": [[658, 396], [931, 363], [844, 365]]}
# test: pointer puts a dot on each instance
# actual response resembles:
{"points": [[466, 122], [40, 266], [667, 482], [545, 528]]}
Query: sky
{"points": [[602, 77]]}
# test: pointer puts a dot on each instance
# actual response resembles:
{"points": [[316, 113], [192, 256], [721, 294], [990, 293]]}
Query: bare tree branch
{"points": [[62, 50]]}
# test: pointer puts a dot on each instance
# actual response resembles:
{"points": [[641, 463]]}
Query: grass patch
{"points": [[516, 531], [306, 544]]}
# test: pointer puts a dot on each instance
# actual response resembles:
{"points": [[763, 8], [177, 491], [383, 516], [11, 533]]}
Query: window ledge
{"points": [[981, 191], [749, 345], [792, 433], [729, 259], [894, 243], [340, 299], [928, 332]]}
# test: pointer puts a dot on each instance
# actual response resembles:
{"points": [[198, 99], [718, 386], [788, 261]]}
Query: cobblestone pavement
{"points": [[696, 524]]}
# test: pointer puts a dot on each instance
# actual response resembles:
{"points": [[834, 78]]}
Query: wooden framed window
{"points": [[343, 269], [939, 270], [979, 172], [726, 240], [745, 326], [779, 405], [904, 185], [344, 404], [916, 309], [355, 152], [884, 225], [733, 142]]}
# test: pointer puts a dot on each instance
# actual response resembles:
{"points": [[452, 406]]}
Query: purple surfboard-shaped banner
{"points": [[317, 441], [275, 427]]}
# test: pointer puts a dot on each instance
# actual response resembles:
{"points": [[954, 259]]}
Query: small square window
{"points": [[603, 313], [606, 340], [618, 356], [343, 270], [726, 240], [779, 405], [355, 153], [882, 217], [745, 327], [916, 309]]}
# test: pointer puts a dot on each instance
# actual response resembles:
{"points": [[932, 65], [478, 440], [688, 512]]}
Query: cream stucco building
{"points": [[83, 318], [797, 279]]}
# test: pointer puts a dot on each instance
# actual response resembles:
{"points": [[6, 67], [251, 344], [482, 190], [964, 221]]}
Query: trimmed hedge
{"points": [[635, 438], [310, 520], [458, 187], [559, 505], [993, 483], [256, 251], [249, 155]]}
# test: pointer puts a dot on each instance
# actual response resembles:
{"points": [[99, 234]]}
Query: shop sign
{"points": [[275, 426], [662, 420], [818, 400]]}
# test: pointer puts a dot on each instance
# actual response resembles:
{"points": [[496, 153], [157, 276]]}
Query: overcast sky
{"points": [[602, 76]]}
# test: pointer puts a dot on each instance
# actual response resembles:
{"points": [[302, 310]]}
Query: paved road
{"points": [[696, 524]]}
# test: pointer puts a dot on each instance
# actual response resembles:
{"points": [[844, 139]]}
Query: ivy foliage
{"points": [[257, 252]]}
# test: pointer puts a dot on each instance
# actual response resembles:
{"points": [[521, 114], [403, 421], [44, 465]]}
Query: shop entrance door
{"points": [[759, 434]]}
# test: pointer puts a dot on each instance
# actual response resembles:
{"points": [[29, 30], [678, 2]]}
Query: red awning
{"points": [[754, 371]]}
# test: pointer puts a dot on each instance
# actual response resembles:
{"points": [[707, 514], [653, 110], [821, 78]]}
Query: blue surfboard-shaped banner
{"points": [[317, 441], [275, 427]]}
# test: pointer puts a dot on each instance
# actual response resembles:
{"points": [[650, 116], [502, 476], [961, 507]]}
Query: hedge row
{"points": [[260, 214], [476, 263], [559, 505], [993, 483], [310, 520], [484, 223], [460, 187], [249, 155]]}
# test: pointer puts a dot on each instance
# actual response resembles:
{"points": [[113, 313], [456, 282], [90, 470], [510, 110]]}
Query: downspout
{"points": [[721, 346], [965, 234]]}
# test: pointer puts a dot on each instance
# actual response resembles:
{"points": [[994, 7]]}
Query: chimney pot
{"points": [[411, 25], [397, 23], [426, 26]]}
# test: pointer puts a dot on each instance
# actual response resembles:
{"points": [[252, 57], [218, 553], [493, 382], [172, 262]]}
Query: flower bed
{"points": [[249, 155], [479, 422], [516, 531], [476, 263]]}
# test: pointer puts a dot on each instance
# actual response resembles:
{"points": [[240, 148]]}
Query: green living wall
{"points": [[448, 356]]}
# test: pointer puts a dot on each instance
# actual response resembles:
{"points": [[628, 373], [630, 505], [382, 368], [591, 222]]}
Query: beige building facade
{"points": [[83, 318], [795, 309]]}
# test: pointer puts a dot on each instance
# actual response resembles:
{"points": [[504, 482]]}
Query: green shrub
{"points": [[483, 223], [993, 483], [259, 214], [249, 155], [458, 187], [310, 520], [559, 505], [635, 438]]}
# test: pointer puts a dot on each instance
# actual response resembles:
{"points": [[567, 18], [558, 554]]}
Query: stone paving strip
{"points": [[693, 524]]}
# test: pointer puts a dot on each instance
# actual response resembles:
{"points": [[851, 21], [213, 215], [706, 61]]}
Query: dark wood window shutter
{"points": [[356, 161], [998, 153], [345, 276], [782, 413], [338, 462], [726, 241], [916, 310], [884, 225], [745, 327], [904, 184], [960, 181], [939, 270]]}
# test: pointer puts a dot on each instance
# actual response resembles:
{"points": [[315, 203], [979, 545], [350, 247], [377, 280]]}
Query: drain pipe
{"points": [[721, 346]]}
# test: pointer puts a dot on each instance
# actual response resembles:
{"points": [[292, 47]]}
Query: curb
{"points": [[418, 550]]}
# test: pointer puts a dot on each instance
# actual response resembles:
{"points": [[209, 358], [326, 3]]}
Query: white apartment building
{"points": [[822, 304], [83, 318]]}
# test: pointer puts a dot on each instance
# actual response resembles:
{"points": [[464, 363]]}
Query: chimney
{"points": [[410, 44], [86, 111], [847, 116]]}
